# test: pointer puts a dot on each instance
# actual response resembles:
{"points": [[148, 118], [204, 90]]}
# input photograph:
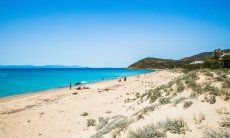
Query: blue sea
{"points": [[16, 81]]}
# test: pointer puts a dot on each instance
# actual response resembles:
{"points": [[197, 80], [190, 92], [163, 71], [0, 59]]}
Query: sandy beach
{"points": [[60, 113]]}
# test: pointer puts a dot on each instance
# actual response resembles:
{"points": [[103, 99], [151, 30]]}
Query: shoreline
{"points": [[62, 88]]}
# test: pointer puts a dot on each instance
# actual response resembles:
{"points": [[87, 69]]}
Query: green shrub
{"points": [[212, 99], [91, 122], [154, 95], [164, 100], [212, 90], [180, 87], [211, 133], [84, 114], [220, 79], [149, 131], [225, 122], [187, 104], [137, 95], [209, 74], [177, 126]]}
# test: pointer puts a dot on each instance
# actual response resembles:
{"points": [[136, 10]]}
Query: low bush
{"points": [[84, 114], [225, 122], [187, 104], [209, 74], [91, 122], [178, 100], [149, 131], [180, 87], [177, 126], [164, 100], [225, 93], [211, 133], [154, 95], [212, 99], [137, 95], [212, 90], [102, 123]]}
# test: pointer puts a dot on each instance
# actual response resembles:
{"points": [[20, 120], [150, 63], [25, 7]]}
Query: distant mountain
{"points": [[32, 66], [201, 56]]}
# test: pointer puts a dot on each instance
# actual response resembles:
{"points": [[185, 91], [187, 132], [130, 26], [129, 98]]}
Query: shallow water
{"points": [[26, 80]]}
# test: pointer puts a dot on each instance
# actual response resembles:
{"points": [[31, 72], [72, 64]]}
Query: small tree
{"points": [[226, 61], [217, 53]]}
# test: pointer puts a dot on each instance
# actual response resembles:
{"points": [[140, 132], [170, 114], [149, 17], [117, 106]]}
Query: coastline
{"points": [[63, 87]]}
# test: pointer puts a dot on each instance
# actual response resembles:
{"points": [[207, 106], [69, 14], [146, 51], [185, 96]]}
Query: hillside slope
{"points": [[156, 63], [201, 56]]}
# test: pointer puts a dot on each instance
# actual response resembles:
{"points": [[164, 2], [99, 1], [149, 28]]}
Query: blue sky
{"points": [[109, 33]]}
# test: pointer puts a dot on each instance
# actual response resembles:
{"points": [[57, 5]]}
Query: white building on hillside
{"points": [[197, 62]]}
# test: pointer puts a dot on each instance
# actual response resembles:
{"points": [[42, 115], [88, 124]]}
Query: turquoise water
{"points": [[26, 80]]}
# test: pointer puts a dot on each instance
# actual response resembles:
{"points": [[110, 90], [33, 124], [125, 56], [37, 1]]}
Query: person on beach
{"points": [[70, 86], [125, 79]]}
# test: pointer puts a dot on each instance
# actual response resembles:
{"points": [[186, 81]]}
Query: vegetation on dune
{"points": [[164, 100], [84, 114], [187, 104], [189, 81], [102, 123], [166, 94], [213, 133], [225, 122], [176, 126], [91, 122]]}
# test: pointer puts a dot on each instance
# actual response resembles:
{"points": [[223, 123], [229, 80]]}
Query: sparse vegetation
{"points": [[164, 100], [137, 95], [180, 86], [116, 123], [149, 131], [187, 104], [84, 114], [209, 74], [199, 118], [225, 93], [212, 90], [178, 100], [177, 126], [102, 123], [225, 122], [91, 122], [212, 99], [213, 133], [154, 94]]}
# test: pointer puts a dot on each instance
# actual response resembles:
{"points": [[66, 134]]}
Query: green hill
{"points": [[201, 56], [157, 63]]}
